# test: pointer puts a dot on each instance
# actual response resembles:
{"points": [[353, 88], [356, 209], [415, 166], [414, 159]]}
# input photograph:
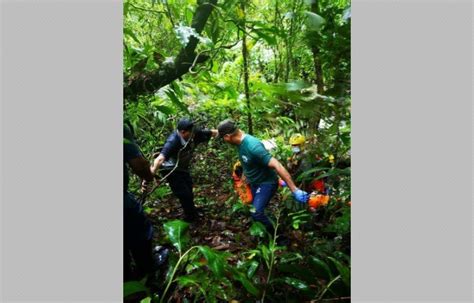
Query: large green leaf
{"points": [[239, 276], [177, 89], [300, 217], [296, 283], [214, 260], [296, 223], [237, 206], [130, 33], [314, 21], [249, 286], [165, 109], [252, 268], [187, 280], [174, 99], [177, 233], [258, 230], [344, 271], [320, 268], [194, 280], [133, 287], [265, 253]]}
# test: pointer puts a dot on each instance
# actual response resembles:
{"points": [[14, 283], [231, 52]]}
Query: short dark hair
{"points": [[185, 124], [226, 127]]}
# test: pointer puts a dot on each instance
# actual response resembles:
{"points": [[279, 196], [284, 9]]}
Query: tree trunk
{"points": [[318, 70], [276, 49], [289, 43], [246, 71], [147, 83]]}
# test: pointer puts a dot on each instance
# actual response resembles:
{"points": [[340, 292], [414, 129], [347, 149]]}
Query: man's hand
{"points": [[300, 196], [214, 133], [147, 186], [157, 163]]}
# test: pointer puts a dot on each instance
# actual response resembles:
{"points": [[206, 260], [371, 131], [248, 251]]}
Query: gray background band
{"points": [[411, 151], [61, 162]]}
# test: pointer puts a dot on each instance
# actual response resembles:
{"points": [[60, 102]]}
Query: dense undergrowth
{"points": [[232, 258]]}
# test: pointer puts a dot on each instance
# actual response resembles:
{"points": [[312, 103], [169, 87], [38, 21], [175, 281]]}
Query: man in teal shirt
{"points": [[261, 170]]}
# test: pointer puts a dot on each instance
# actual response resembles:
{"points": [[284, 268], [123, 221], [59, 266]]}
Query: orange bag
{"points": [[241, 187], [316, 201]]}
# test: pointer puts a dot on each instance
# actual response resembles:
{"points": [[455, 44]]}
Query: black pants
{"points": [[138, 233], [181, 185]]}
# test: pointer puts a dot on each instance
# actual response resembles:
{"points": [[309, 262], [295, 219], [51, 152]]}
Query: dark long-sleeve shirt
{"points": [[174, 149]]}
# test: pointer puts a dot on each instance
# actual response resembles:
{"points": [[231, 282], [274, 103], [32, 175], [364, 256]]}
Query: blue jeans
{"points": [[262, 194]]}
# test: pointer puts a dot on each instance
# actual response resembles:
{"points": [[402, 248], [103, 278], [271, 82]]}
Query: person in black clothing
{"points": [[138, 231], [175, 159]]}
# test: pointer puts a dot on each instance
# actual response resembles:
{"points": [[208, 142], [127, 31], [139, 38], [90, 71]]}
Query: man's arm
{"points": [[204, 135], [141, 167], [282, 172], [157, 163], [212, 132], [298, 194], [170, 148]]}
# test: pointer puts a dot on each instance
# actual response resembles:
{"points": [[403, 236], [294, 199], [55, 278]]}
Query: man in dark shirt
{"points": [[138, 230], [175, 159]]}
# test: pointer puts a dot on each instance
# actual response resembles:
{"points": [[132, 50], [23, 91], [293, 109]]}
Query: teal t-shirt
{"points": [[254, 158]]}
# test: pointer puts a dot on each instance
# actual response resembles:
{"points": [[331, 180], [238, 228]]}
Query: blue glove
{"points": [[300, 196]]}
